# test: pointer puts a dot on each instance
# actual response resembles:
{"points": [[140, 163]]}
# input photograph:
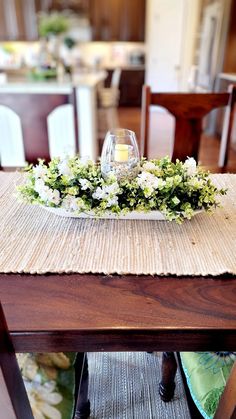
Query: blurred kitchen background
{"points": [[172, 45]]}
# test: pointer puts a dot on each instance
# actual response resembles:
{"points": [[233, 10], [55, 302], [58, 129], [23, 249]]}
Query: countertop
{"points": [[227, 76], [128, 67], [24, 85]]}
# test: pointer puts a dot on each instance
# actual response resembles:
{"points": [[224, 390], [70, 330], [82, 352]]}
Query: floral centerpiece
{"points": [[177, 189]]}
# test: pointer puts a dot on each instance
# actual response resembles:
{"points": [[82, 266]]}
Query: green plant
{"points": [[54, 23], [176, 189], [69, 42]]}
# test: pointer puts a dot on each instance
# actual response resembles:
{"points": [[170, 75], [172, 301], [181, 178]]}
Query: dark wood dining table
{"points": [[91, 312], [51, 313]]}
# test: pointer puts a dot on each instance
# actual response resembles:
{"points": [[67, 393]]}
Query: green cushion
{"points": [[49, 381], [206, 374]]}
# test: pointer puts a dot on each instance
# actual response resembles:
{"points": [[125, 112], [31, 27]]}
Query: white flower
{"points": [[147, 180], [55, 196], [112, 201], [64, 168], [161, 183], [80, 204], [47, 194], [191, 166], [43, 398], [149, 166], [85, 184], [148, 183], [39, 186], [70, 203], [84, 160], [50, 195], [99, 193], [39, 171], [112, 189], [107, 193]]}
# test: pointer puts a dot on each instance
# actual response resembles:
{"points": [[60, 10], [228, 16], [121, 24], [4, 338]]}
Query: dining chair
{"points": [[108, 101], [36, 125], [14, 401], [189, 109], [227, 403]]}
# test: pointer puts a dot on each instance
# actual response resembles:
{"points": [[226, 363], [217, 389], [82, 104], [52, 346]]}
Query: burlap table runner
{"points": [[33, 240]]}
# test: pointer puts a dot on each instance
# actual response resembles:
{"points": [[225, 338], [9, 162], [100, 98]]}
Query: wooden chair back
{"points": [[36, 125], [189, 109], [14, 403]]}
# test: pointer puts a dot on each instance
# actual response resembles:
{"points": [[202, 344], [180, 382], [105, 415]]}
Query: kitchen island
{"points": [[48, 118]]}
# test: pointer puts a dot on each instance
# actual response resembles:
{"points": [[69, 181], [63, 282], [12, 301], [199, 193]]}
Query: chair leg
{"points": [[82, 404], [167, 384]]}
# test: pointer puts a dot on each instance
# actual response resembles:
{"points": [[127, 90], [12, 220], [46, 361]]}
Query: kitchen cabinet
{"points": [[111, 20], [3, 28], [117, 20], [78, 6], [131, 82], [18, 20]]}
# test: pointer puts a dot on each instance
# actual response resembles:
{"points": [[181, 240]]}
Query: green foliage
{"points": [[52, 24], [212, 401], [176, 189], [69, 42]]}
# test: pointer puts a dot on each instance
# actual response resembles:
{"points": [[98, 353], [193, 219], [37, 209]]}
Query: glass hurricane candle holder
{"points": [[120, 154]]}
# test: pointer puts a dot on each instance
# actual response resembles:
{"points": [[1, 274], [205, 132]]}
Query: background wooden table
{"points": [[119, 313]]}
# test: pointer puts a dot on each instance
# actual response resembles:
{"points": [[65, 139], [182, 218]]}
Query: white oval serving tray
{"points": [[134, 215]]}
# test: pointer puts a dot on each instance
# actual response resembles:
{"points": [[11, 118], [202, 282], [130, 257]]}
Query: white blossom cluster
{"points": [[191, 165], [148, 182], [47, 194], [64, 169], [107, 193]]}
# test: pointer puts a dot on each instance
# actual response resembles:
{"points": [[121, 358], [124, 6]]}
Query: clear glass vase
{"points": [[120, 154]]}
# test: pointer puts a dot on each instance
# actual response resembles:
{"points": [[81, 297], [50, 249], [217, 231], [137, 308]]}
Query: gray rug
{"points": [[124, 385]]}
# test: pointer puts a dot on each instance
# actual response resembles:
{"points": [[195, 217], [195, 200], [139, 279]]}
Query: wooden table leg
{"points": [[14, 403], [167, 384], [82, 407]]}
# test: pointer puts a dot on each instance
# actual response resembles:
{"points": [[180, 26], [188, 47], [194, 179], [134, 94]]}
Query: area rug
{"points": [[124, 385]]}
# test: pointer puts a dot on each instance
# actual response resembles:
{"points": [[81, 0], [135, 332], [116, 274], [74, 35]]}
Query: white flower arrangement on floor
{"points": [[177, 189]]}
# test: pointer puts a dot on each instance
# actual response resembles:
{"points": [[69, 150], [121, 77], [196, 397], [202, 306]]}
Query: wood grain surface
{"points": [[97, 312]]}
